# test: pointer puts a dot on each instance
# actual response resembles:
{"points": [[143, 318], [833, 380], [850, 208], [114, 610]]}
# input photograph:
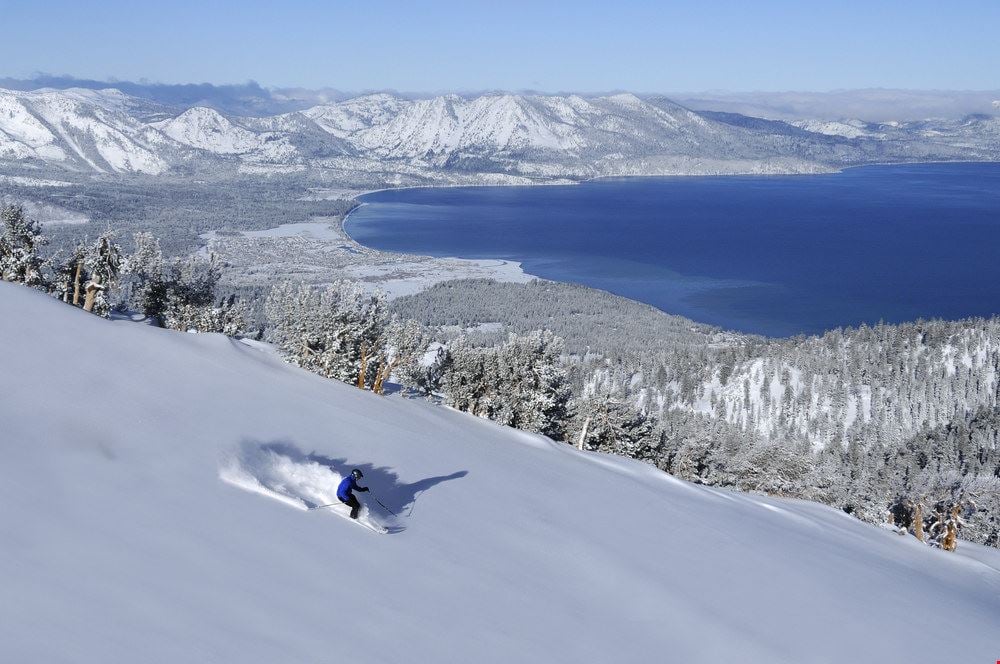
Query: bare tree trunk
{"points": [[951, 537], [76, 284], [384, 371], [364, 366], [918, 522], [93, 288], [583, 433]]}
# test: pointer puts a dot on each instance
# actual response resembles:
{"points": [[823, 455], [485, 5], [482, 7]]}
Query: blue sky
{"points": [[449, 45]]}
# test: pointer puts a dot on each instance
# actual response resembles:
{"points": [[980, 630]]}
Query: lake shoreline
{"points": [[891, 315], [561, 182]]}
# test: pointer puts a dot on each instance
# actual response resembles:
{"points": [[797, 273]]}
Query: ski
{"points": [[365, 523]]}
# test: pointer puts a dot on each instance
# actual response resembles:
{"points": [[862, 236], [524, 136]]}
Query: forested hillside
{"points": [[849, 418]]}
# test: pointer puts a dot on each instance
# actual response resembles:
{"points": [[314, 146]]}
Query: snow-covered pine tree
{"points": [[541, 394], [406, 343], [469, 378], [944, 524], [19, 243], [774, 469], [423, 366], [191, 283], [68, 282], [697, 458], [325, 330], [146, 283], [615, 427], [957, 502], [102, 264], [189, 290], [520, 383]]}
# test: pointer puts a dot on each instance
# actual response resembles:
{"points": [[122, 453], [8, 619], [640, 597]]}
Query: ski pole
{"points": [[383, 506], [316, 507]]}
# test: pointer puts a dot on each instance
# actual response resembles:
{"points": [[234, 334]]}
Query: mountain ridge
{"points": [[535, 136]]}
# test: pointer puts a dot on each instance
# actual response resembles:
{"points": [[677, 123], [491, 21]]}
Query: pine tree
{"points": [[326, 331], [189, 294], [541, 394], [469, 379], [19, 244], [182, 294], [520, 383], [407, 343], [102, 263], [696, 459], [146, 280], [773, 469], [425, 370], [615, 427], [68, 284]]}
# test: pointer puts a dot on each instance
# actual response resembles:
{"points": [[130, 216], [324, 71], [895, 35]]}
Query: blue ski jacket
{"points": [[347, 485]]}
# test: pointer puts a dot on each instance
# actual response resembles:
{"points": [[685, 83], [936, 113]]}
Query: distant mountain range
{"points": [[537, 137], [872, 104]]}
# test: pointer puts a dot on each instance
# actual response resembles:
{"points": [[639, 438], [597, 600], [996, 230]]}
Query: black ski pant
{"points": [[353, 503]]}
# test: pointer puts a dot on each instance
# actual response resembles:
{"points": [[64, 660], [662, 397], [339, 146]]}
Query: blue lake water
{"points": [[774, 255]]}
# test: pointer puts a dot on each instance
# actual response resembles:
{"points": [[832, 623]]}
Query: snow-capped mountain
{"points": [[282, 139], [82, 129], [207, 129], [540, 136], [157, 512], [844, 128], [348, 117], [974, 131], [580, 136]]}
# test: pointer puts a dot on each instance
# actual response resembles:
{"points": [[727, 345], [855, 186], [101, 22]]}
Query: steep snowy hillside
{"points": [[348, 117], [207, 129], [282, 139], [154, 487], [84, 129], [588, 136], [845, 128]]}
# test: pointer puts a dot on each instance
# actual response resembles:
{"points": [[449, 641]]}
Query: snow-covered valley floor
{"points": [[320, 251], [123, 537]]}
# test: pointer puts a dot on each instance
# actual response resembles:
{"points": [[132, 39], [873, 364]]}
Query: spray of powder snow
{"points": [[266, 470]]}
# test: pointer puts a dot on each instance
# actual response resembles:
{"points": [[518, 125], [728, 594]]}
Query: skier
{"points": [[345, 492]]}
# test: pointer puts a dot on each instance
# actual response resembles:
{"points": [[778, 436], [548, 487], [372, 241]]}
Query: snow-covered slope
{"points": [[86, 129], [282, 139], [529, 127], [207, 129], [845, 128], [121, 540]]}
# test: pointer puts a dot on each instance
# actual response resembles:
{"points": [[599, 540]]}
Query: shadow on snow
{"points": [[281, 468]]}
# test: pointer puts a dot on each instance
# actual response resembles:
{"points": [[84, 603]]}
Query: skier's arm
{"points": [[362, 488]]}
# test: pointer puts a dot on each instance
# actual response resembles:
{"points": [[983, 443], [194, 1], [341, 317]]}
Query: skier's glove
{"points": [[362, 488]]}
